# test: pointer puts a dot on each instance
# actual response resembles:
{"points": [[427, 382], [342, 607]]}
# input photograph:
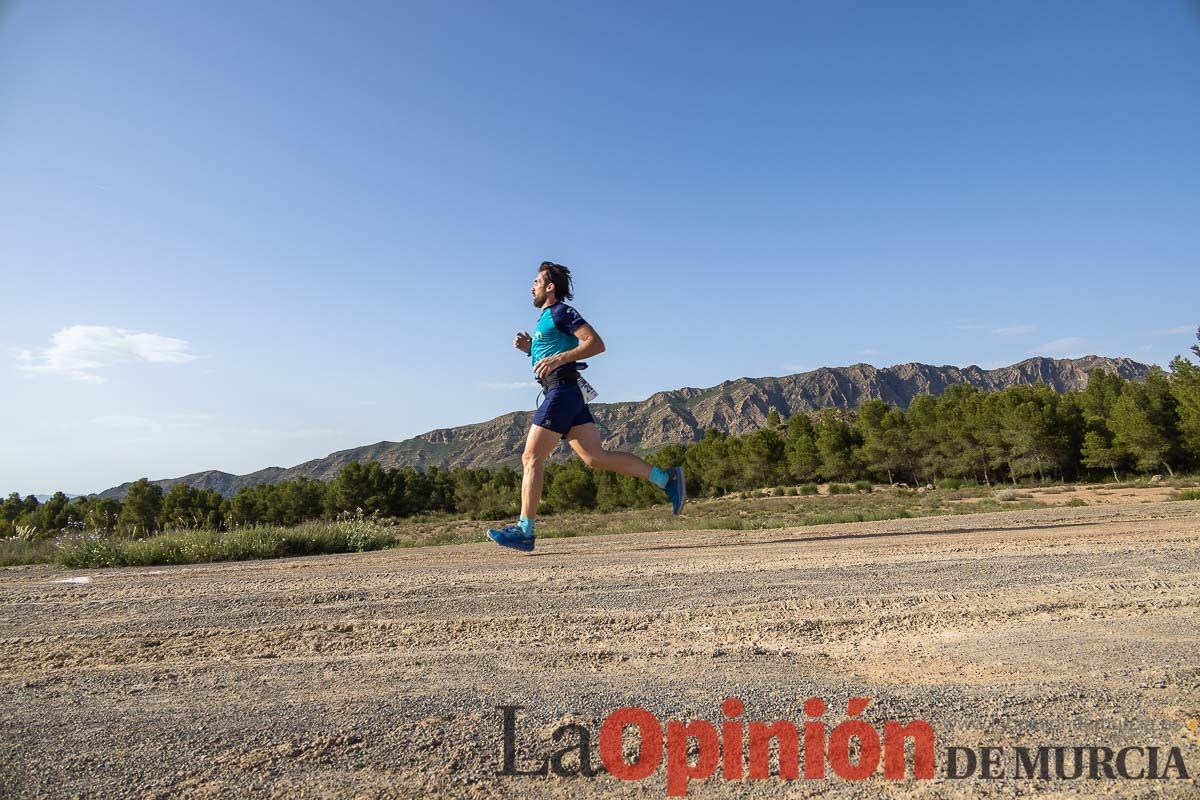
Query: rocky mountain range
{"points": [[679, 415]]}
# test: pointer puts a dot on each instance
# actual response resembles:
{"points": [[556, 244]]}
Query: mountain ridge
{"points": [[735, 406]]}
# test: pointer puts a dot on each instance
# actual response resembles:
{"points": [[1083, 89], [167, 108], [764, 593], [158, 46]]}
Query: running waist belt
{"points": [[559, 378]]}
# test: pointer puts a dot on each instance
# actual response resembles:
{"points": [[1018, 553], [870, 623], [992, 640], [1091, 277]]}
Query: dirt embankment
{"points": [[378, 675]]}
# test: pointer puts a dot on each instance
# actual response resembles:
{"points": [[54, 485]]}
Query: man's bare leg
{"points": [[585, 441], [538, 447]]}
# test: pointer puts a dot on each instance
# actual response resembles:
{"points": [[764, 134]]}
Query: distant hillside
{"points": [[680, 415]]}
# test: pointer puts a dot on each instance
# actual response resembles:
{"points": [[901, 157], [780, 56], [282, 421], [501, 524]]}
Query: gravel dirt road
{"points": [[379, 674]]}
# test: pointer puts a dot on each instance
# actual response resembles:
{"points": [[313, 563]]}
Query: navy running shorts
{"points": [[563, 409]]}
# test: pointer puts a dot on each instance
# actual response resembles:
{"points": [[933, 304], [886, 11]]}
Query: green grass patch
{"points": [[206, 545], [14, 552]]}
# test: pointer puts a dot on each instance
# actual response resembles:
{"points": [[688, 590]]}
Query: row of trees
{"points": [[1020, 433], [1023, 432], [387, 493]]}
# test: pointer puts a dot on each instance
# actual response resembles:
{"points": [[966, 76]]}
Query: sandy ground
{"points": [[378, 675], [1098, 495]]}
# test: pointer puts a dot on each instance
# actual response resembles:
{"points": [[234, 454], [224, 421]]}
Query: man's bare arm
{"points": [[590, 344]]}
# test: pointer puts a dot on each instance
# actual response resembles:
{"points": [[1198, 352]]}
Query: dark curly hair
{"points": [[560, 278]]}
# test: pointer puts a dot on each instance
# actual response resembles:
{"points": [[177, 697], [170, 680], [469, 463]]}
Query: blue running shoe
{"points": [[512, 536], [676, 489]]}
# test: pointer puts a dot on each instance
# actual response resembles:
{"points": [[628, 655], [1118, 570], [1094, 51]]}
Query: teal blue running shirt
{"points": [[555, 333]]}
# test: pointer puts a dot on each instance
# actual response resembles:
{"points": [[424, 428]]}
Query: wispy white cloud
{"points": [[868, 351], [1003, 330], [1014, 330], [514, 385], [1173, 331], [79, 352], [792, 369], [1066, 347]]}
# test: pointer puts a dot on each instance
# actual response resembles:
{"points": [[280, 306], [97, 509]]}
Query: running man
{"points": [[560, 341]]}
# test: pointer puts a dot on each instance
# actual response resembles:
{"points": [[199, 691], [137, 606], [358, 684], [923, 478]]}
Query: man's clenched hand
{"points": [[523, 341], [547, 365]]}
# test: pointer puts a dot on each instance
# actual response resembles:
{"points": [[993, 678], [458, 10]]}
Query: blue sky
{"points": [[236, 235]]}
